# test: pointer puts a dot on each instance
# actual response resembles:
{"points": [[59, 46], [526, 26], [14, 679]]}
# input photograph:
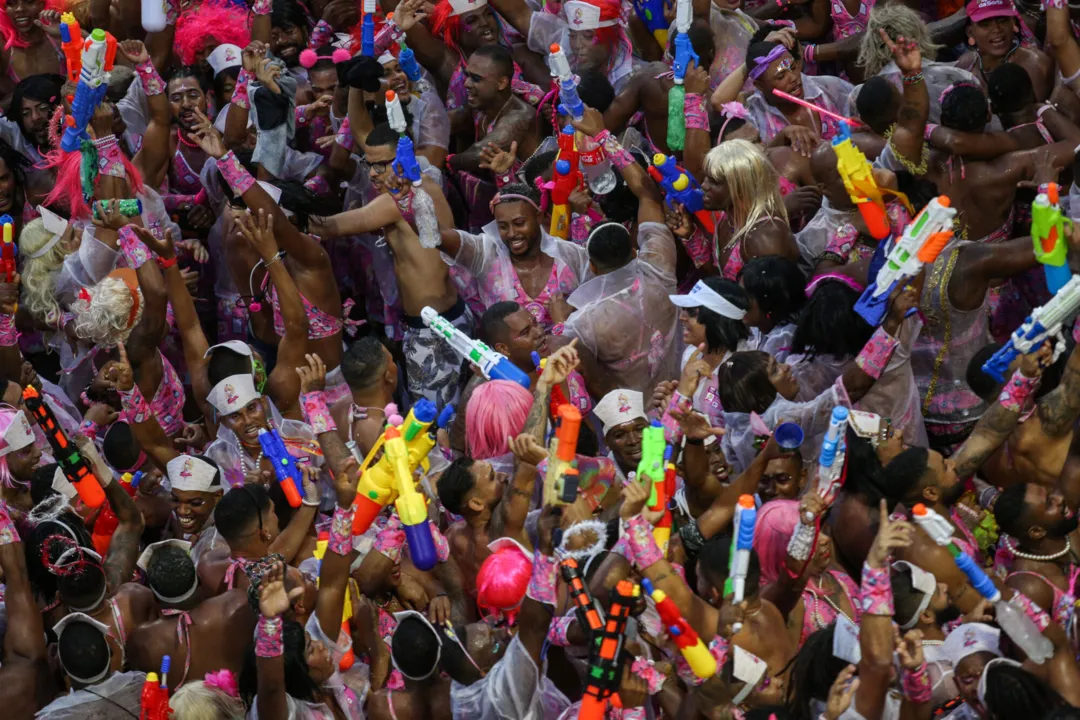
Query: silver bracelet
{"points": [[801, 541]]}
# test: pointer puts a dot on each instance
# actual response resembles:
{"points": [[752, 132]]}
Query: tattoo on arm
{"points": [[536, 421], [334, 450], [991, 432], [1059, 410]]}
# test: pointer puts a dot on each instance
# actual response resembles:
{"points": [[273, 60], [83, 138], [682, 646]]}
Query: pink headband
{"points": [[731, 111], [950, 88], [839, 277], [507, 197]]}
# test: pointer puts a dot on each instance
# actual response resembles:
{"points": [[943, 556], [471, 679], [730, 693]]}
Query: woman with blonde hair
{"points": [[215, 698], [741, 183]]}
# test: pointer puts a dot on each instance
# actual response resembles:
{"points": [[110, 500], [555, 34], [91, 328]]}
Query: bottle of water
{"points": [[595, 166]]}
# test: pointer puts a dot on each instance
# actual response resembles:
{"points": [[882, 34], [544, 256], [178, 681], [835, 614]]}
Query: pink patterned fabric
{"points": [[110, 161], [876, 591], [557, 632], [646, 670], [672, 430], [1037, 615], [699, 247], [321, 34], [320, 324], [1063, 601], [1016, 391], [269, 637], [696, 117], [8, 533], [389, 34], [151, 81], [817, 613], [233, 172], [718, 648], [135, 251], [168, 402], [340, 542], [90, 429], [501, 282], [262, 7], [916, 684], [230, 572], [842, 240], [875, 355], [543, 581], [456, 95], [8, 334], [316, 413], [734, 265], [642, 543], [391, 539], [844, 24], [240, 91], [136, 409], [619, 156]]}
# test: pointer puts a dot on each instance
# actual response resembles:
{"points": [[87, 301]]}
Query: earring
{"points": [[971, 41]]}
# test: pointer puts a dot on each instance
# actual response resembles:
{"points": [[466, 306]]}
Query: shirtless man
{"points": [[472, 488], [433, 367], [372, 375], [501, 116]]}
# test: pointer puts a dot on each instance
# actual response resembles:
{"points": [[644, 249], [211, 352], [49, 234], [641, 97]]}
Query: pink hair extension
{"points": [[223, 680], [496, 412], [775, 525], [502, 581], [212, 23], [68, 189]]}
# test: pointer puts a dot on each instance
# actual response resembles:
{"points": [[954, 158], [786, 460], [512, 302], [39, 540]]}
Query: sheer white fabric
{"points": [[512, 690], [117, 698]]}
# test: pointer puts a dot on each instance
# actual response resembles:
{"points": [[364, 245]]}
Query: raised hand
{"points": [[495, 159], [695, 426], [695, 371], [49, 21], [841, 693], [312, 375], [120, 375], [259, 234], [273, 600], [891, 535], [267, 71], [208, 137], [678, 220], [410, 12], [323, 102], [135, 51], [1033, 364], [906, 52], [252, 54], [9, 295], [164, 247], [909, 648], [634, 497], [591, 123], [527, 449], [560, 364]]}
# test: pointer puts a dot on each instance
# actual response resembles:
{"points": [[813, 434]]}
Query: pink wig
{"points": [[502, 581], [496, 412], [776, 521], [7, 28], [213, 23]]}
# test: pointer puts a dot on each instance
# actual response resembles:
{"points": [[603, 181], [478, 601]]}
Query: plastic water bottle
{"points": [[595, 166]]}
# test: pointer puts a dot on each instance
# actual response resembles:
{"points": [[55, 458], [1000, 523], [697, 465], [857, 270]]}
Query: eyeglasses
{"points": [[378, 167]]}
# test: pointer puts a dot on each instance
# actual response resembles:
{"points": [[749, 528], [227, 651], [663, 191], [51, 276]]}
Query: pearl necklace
{"points": [[1037, 558], [816, 615], [247, 462]]}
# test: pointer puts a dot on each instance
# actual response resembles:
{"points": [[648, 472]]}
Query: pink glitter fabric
{"points": [[269, 637]]}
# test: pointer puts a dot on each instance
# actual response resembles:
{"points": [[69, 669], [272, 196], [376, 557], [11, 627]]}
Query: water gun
{"points": [[71, 42], [405, 165], [153, 15], [684, 53], [349, 658], [74, 466], [1044, 322], [566, 179], [561, 480], [410, 504], [742, 542], [680, 187], [376, 489], [493, 365], [560, 70], [98, 53], [288, 473], [662, 490], [588, 610], [107, 522], [154, 702], [1010, 618], [409, 65], [831, 457], [7, 253], [651, 12], [923, 240], [367, 29], [558, 399], [606, 656], [690, 645], [128, 207], [652, 453], [1048, 225], [858, 177]]}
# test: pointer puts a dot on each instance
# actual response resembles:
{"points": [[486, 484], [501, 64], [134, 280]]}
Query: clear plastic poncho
{"points": [[116, 698], [512, 690]]}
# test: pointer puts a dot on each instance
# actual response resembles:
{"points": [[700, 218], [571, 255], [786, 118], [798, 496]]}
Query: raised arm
{"points": [[517, 13], [718, 517], [431, 52], [334, 571], [869, 365], [698, 136], [283, 384], [124, 546], [1059, 409], [1061, 45], [156, 151], [144, 425], [907, 138], [271, 699], [514, 506], [380, 213]]}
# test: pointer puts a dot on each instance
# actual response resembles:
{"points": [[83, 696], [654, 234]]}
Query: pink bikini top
{"points": [[320, 324]]}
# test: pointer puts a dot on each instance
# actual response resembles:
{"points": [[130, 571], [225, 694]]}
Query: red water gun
{"points": [[7, 250], [75, 467], [107, 521], [693, 650], [566, 177], [606, 656], [155, 696]]}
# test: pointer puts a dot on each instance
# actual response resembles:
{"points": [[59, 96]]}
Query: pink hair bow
{"points": [[734, 109]]}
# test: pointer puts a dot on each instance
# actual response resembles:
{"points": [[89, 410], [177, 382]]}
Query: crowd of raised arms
{"points": [[539, 359]]}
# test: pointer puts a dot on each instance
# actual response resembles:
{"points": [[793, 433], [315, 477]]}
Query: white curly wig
{"points": [[38, 286], [103, 313]]}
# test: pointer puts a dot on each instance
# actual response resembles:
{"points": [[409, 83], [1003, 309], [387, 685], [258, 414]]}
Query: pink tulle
{"points": [[213, 23], [223, 680], [496, 412], [502, 581], [308, 58], [775, 525]]}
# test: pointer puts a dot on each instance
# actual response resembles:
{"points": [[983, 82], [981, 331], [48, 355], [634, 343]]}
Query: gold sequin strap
{"points": [[943, 294], [924, 161]]}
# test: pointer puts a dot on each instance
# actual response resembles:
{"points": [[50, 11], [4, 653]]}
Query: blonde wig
{"points": [[106, 313], [752, 182], [199, 701], [38, 287], [897, 20]]}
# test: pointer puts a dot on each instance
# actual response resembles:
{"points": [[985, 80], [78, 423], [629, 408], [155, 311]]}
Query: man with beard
{"points": [[33, 103], [289, 35], [1043, 543], [501, 117]]}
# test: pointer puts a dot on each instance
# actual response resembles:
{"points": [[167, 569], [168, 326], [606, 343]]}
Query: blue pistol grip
{"points": [[421, 545], [998, 364], [978, 579], [1057, 276], [65, 33], [745, 540], [445, 416], [407, 61], [506, 370], [367, 36], [405, 160], [872, 309]]}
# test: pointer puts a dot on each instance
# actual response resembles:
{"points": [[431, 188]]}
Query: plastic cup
{"points": [[789, 436]]}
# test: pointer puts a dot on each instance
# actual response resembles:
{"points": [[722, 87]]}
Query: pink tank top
{"points": [[168, 401], [844, 25]]}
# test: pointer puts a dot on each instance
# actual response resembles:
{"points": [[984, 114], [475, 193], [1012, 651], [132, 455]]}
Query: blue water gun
{"points": [[97, 60], [493, 364], [651, 12], [408, 63], [285, 467], [1044, 322], [680, 187], [742, 543], [560, 68], [367, 29]]}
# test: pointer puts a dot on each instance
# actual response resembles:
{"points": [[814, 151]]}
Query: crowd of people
{"points": [[518, 360]]}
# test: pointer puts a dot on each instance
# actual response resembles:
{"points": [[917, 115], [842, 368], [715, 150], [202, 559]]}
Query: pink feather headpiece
{"points": [[223, 680], [213, 23]]}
